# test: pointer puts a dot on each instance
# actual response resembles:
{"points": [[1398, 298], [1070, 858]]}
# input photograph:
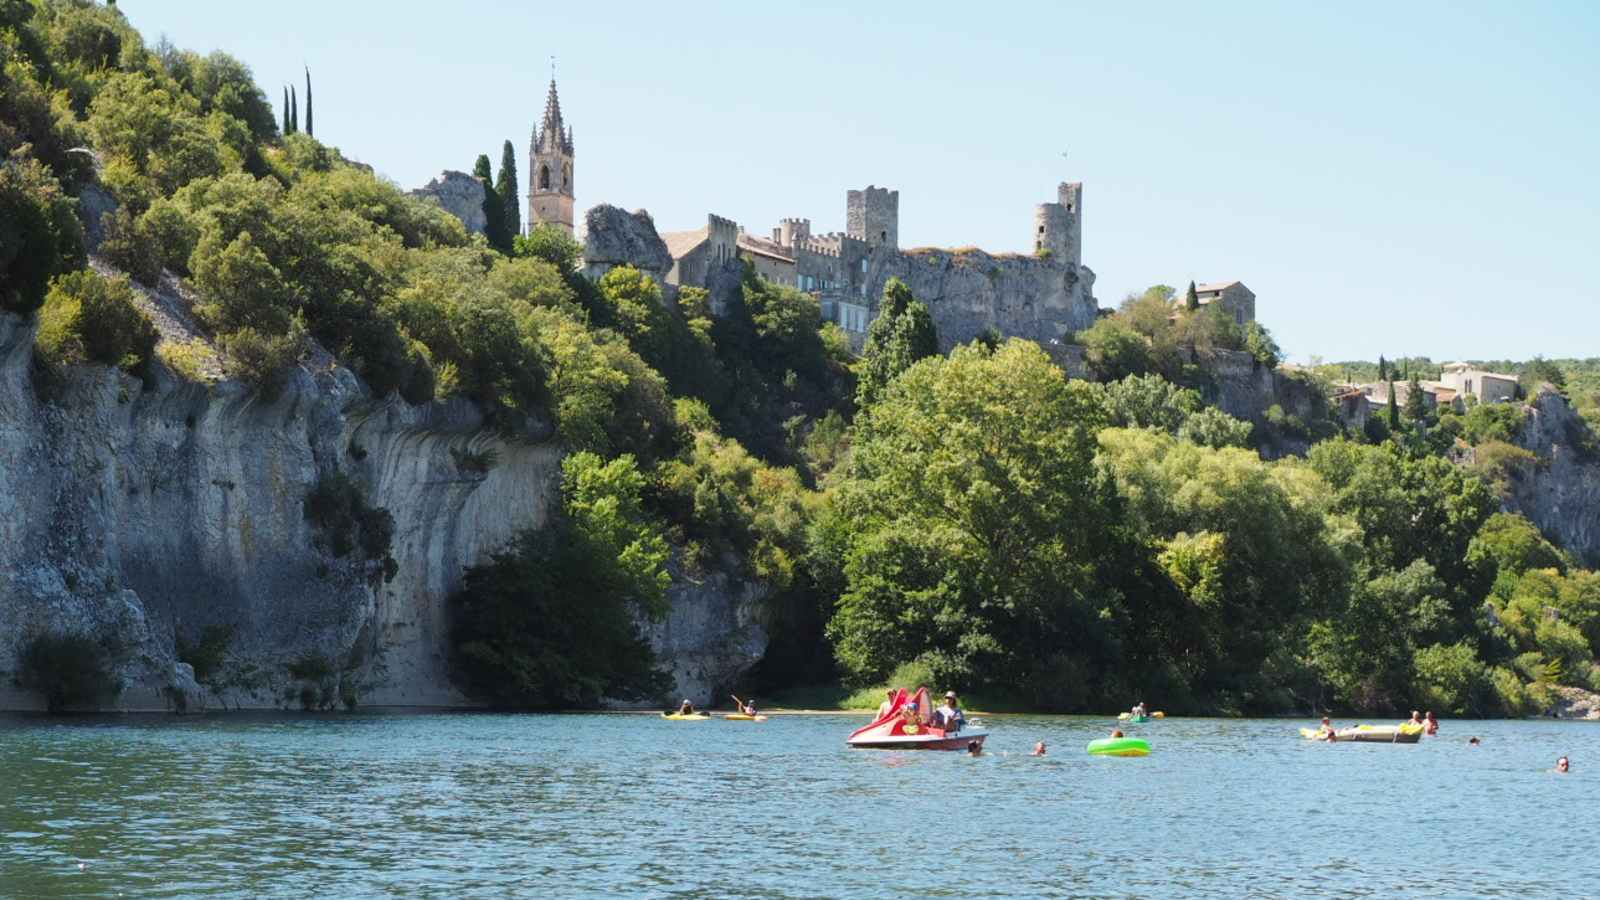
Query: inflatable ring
{"points": [[909, 729], [1122, 746]]}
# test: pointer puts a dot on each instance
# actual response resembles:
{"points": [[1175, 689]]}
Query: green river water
{"points": [[468, 805]]}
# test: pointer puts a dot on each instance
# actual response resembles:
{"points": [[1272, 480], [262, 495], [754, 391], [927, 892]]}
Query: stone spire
{"points": [[554, 129]]}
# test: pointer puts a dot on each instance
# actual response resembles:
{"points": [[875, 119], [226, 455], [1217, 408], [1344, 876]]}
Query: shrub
{"points": [[91, 319], [67, 670], [337, 506], [1493, 422], [39, 233], [258, 358], [128, 245], [1450, 677], [192, 360], [208, 653]]}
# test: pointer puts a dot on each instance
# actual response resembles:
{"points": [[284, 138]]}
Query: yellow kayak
{"points": [[692, 717], [741, 717]]}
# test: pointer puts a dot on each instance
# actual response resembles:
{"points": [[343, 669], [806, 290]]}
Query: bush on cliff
{"points": [[552, 621], [339, 508], [39, 233], [87, 318], [67, 670]]}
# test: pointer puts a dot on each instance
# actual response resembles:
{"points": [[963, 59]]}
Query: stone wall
{"points": [[460, 194], [969, 291], [873, 215], [1562, 496]]}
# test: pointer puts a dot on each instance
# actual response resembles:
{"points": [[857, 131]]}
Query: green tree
{"points": [[1114, 350], [1416, 402], [494, 228], [1258, 343], [1394, 410], [550, 622], [902, 333], [88, 318], [288, 127], [552, 244], [976, 518], [39, 233], [505, 187], [1383, 369], [294, 110], [309, 130], [1191, 299]]}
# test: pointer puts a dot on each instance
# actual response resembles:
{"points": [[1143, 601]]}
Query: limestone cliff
{"points": [[459, 194], [1562, 496], [615, 237], [134, 513]]}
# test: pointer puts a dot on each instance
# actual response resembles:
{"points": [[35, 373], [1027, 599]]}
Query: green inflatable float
{"points": [[1122, 746]]}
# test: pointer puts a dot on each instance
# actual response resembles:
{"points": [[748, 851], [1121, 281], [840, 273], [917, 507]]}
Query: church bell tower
{"points": [[550, 168]]}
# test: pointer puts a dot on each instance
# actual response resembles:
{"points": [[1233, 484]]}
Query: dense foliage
{"points": [[977, 519]]}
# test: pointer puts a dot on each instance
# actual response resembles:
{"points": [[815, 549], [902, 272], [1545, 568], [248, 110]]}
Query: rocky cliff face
{"points": [[969, 291], [1563, 495], [615, 237], [460, 194], [135, 514]]}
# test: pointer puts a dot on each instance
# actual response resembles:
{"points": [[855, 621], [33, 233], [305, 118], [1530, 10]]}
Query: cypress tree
{"points": [[308, 103], [1191, 298], [1394, 410], [294, 110], [1416, 401], [1383, 368], [506, 187], [286, 128], [494, 217]]}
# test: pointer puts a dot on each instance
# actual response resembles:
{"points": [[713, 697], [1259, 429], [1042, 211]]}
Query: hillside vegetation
{"points": [[1063, 545]]}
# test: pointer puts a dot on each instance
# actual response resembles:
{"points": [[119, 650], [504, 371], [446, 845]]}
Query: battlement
{"points": [[818, 248]]}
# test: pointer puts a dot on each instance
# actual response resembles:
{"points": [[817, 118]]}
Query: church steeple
{"points": [[550, 197]]}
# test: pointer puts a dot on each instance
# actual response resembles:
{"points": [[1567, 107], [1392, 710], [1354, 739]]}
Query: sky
{"points": [[1397, 179]]}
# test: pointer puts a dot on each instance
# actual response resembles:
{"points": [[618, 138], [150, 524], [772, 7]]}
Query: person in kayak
{"points": [[748, 708], [1326, 731], [1139, 710], [1431, 725], [949, 716], [686, 708]]}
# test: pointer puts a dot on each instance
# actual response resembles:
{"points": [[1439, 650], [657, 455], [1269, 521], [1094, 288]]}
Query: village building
{"points": [[1232, 296], [1488, 387]]}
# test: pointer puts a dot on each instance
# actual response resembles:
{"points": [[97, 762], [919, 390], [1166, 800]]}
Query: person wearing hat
{"points": [[1326, 731], [949, 715]]}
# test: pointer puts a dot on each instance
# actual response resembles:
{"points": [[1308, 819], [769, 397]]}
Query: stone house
{"points": [[1488, 387], [1233, 296]]}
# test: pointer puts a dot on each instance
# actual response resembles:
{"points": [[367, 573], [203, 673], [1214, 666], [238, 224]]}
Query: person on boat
{"points": [[949, 716], [748, 708], [883, 708], [975, 748], [1562, 765], [1038, 749], [1139, 710], [686, 708], [1431, 724], [1326, 730], [911, 715]]}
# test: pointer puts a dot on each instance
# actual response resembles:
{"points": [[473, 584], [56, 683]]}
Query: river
{"points": [[470, 805]]}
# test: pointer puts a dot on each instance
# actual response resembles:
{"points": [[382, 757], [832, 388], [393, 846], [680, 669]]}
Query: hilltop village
{"points": [[1045, 295]]}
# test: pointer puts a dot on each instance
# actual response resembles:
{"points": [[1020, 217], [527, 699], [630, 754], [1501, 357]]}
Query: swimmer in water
{"points": [[1038, 749], [1562, 765], [974, 748]]}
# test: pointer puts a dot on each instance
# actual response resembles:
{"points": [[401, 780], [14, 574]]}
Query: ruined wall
{"points": [[969, 291]]}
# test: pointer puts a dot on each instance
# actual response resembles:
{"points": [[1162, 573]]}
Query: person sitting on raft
{"points": [[1139, 710], [1416, 719], [1326, 731], [949, 716], [1432, 726]]}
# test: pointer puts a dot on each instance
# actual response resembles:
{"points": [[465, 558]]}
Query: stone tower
{"points": [[1058, 227], [550, 168], [873, 215]]}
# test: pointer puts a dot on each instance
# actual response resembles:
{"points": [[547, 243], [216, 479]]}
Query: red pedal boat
{"points": [[894, 730]]}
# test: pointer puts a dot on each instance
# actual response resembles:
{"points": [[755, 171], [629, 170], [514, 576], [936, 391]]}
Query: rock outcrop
{"points": [[139, 513], [615, 237], [1562, 496], [460, 195], [968, 291]]}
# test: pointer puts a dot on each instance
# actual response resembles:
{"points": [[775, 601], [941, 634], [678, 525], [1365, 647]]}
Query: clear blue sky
{"points": [[1388, 178]]}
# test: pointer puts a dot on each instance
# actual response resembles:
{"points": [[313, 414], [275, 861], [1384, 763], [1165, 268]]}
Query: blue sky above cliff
{"points": [[1387, 179]]}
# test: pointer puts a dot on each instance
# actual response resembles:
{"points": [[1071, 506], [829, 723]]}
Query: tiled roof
{"points": [[1215, 285], [764, 248], [681, 243]]}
